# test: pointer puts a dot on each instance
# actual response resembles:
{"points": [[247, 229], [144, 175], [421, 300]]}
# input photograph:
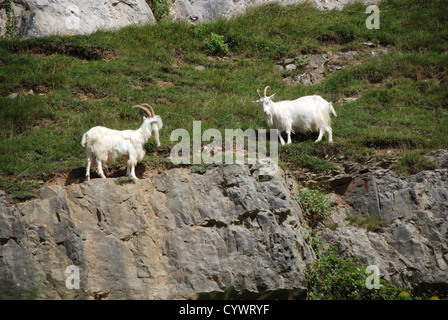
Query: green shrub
{"points": [[333, 278], [160, 8], [12, 31], [216, 45], [314, 203]]}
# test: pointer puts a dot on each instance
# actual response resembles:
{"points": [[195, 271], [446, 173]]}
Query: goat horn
{"points": [[148, 113], [150, 109], [259, 94], [266, 89]]}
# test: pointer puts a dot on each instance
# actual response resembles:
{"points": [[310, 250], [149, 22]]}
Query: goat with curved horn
{"points": [[144, 108], [149, 108], [156, 125], [265, 91], [309, 113], [104, 145]]}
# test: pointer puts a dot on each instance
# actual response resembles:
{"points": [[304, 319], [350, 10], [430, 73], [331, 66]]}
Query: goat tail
{"points": [[332, 109], [84, 140], [159, 122]]}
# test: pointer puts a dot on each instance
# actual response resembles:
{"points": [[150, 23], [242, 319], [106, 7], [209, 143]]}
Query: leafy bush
{"points": [[330, 277], [333, 278], [314, 203], [160, 8], [216, 45], [12, 31]]}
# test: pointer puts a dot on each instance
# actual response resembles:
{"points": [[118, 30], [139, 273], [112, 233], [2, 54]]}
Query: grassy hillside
{"points": [[82, 81]]}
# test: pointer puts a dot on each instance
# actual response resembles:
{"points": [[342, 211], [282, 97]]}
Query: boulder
{"points": [[290, 67]]}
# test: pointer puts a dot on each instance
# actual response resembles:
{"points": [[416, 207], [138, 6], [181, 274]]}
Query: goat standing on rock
{"points": [[304, 114], [104, 145]]}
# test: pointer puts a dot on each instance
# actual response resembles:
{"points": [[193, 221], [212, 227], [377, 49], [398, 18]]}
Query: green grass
{"points": [[413, 162], [83, 81], [371, 223]]}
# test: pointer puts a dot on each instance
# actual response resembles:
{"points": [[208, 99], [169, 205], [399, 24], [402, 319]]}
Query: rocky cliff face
{"points": [[171, 236], [179, 234], [208, 10], [413, 249], [37, 18]]}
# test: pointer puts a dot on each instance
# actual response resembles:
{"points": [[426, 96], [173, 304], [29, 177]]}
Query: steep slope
{"points": [[172, 236]]}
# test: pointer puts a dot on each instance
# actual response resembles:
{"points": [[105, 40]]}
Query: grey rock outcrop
{"points": [[312, 68], [37, 18], [174, 235], [440, 157], [180, 234], [413, 249], [208, 10]]}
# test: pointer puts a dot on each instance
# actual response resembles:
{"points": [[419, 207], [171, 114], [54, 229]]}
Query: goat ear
{"points": [[272, 97], [256, 101]]}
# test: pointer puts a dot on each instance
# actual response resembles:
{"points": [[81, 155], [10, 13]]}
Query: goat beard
{"points": [[269, 120]]}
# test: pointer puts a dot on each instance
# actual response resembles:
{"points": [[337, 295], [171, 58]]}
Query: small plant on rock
{"points": [[160, 8], [12, 23], [314, 203]]}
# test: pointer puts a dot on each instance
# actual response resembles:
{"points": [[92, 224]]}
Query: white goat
{"points": [[104, 145], [304, 114]]}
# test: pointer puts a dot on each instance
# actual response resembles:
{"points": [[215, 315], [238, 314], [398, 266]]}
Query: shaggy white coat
{"points": [[104, 145], [308, 113]]}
